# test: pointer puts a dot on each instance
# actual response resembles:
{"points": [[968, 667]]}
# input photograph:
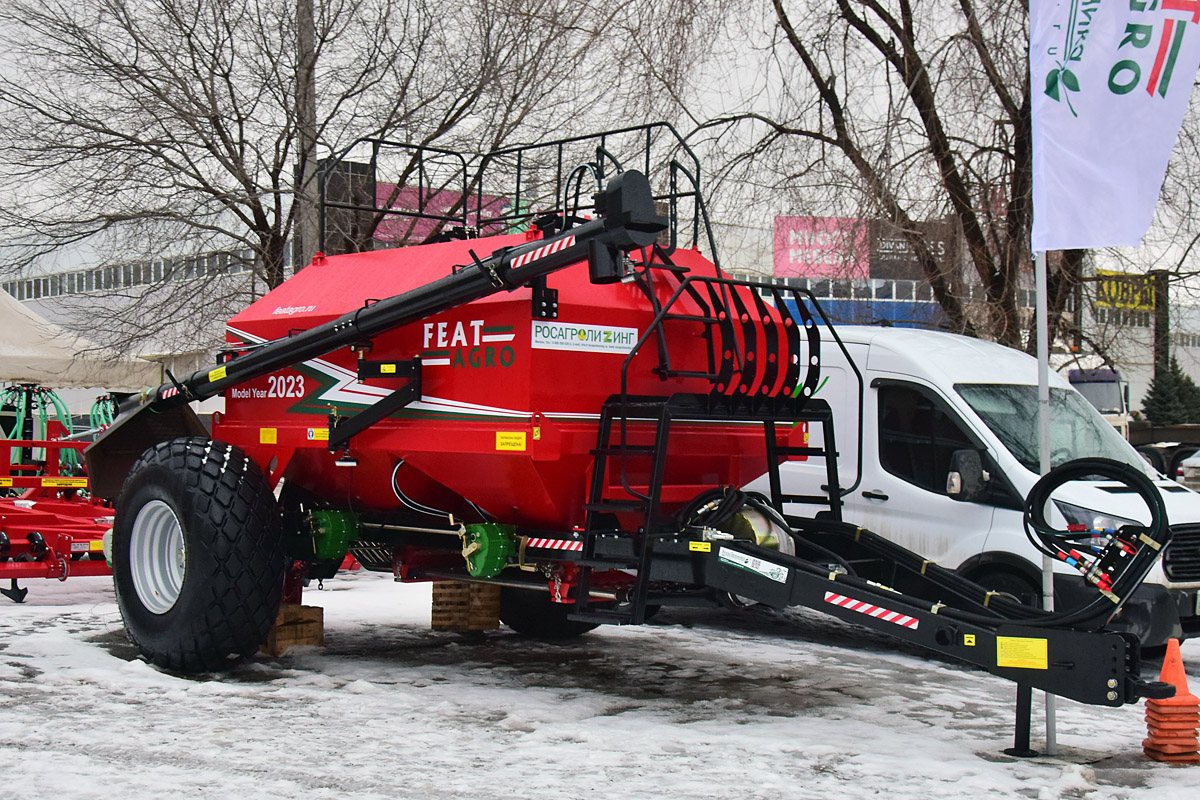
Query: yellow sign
{"points": [[5, 482], [216, 374], [510, 440], [969, 639], [318, 434], [64, 483], [700, 547], [268, 435], [1124, 290], [385, 369], [1013, 651]]}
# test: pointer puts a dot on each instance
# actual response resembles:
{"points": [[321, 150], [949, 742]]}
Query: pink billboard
{"points": [[822, 247]]}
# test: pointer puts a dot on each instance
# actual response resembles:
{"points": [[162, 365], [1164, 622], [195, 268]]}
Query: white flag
{"points": [[1111, 82]]}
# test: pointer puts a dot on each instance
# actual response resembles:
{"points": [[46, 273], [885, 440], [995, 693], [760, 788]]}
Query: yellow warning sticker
{"points": [[1021, 653], [387, 369], [95, 545], [318, 434], [5, 482], [64, 483], [268, 436], [510, 440], [969, 639], [700, 547], [216, 374]]}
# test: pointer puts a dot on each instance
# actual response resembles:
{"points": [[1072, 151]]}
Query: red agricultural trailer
{"points": [[565, 410], [49, 527]]}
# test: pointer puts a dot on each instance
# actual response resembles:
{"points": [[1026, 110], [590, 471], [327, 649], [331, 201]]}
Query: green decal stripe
{"points": [[435, 353], [411, 413], [417, 413], [324, 383], [497, 329]]}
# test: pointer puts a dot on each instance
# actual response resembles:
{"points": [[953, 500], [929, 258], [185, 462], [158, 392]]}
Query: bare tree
{"points": [[144, 129], [909, 114]]}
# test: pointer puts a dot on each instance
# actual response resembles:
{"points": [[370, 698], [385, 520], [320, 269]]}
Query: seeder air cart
{"points": [[563, 404]]}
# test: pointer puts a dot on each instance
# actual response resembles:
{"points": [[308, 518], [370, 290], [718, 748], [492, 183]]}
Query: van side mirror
{"points": [[967, 481]]}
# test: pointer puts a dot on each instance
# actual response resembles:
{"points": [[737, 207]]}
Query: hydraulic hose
{"points": [[68, 456], [1137, 546], [1146, 544], [1046, 539]]}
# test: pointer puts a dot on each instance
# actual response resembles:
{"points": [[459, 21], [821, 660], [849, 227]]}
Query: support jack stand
{"points": [[1020, 748], [15, 593]]}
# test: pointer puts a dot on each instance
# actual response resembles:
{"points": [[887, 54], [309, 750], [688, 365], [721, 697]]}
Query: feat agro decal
{"points": [[471, 345]]}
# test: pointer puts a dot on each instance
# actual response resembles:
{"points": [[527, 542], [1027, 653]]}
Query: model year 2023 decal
{"points": [[277, 386]]}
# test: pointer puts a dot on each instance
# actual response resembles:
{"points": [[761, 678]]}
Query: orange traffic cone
{"points": [[1172, 723]]}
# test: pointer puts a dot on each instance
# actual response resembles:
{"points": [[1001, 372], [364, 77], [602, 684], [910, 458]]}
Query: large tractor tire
{"points": [[197, 558]]}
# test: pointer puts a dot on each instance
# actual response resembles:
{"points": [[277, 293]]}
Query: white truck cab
{"points": [[927, 395]]}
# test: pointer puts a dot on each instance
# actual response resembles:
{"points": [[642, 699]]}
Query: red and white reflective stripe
{"points": [[544, 250], [871, 611], [555, 544], [170, 391]]}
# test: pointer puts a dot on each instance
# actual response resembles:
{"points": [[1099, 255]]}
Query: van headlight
{"points": [[1078, 515]]}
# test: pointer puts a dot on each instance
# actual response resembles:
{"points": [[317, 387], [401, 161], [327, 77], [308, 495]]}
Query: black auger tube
{"points": [[361, 325], [631, 222], [628, 221]]}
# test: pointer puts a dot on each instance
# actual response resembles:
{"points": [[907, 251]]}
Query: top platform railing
{"points": [[377, 193]]}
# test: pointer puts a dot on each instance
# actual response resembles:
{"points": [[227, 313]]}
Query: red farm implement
{"points": [[49, 528], [564, 405]]}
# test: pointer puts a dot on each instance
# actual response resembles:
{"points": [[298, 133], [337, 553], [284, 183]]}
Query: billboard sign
{"points": [[892, 257], [849, 247], [1124, 290], [821, 247]]}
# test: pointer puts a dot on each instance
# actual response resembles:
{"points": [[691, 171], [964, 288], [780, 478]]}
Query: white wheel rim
{"points": [[157, 556]]}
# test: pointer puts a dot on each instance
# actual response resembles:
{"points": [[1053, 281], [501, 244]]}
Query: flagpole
{"points": [[1042, 323]]}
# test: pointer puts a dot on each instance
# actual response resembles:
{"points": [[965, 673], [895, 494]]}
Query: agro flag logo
{"points": [[1111, 82]]}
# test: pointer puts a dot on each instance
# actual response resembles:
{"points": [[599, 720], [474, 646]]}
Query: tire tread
{"points": [[230, 513]]}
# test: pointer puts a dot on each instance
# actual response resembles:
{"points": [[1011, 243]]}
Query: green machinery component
{"points": [[332, 533], [487, 547], [102, 412], [31, 408]]}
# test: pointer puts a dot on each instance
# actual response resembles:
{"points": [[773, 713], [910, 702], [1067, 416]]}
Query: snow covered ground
{"points": [[697, 705]]}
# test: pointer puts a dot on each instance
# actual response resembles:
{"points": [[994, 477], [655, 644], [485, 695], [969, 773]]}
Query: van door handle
{"points": [[875, 495]]}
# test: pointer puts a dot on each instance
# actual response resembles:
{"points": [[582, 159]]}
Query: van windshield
{"points": [[1076, 429]]}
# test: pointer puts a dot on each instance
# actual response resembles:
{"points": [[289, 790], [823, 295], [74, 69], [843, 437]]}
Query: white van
{"points": [[928, 394]]}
